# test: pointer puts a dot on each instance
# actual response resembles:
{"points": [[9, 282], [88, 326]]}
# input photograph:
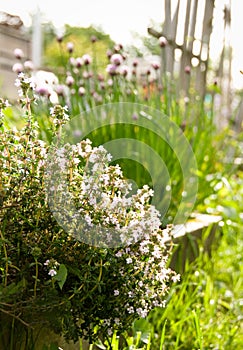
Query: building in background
{"points": [[12, 35]]}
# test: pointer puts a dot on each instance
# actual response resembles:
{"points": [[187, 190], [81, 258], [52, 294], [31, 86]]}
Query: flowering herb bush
{"points": [[51, 277]]}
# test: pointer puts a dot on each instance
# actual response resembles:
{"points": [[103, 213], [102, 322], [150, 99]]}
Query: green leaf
{"points": [[61, 275], [100, 345]]}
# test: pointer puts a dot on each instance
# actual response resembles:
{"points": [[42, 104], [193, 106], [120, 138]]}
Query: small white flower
{"points": [[176, 278], [52, 272], [47, 262], [140, 283], [129, 260], [109, 331], [117, 321], [119, 254], [116, 292], [130, 310]]}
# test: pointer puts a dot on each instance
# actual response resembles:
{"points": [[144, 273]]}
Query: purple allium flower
{"points": [[111, 69], [155, 65], [81, 91], [59, 90], [135, 63], [124, 71], [97, 97], [70, 47], [85, 74], [79, 62], [28, 65], [109, 53], [110, 82], [87, 59], [18, 53], [102, 85], [162, 41], [18, 68], [59, 38], [69, 80], [116, 59], [93, 39], [43, 90], [100, 77], [72, 61], [118, 47], [187, 69]]}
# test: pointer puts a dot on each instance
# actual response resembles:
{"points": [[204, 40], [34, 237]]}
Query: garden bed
{"points": [[187, 237]]}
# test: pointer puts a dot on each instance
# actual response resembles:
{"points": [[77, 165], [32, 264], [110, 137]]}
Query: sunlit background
{"points": [[121, 20]]}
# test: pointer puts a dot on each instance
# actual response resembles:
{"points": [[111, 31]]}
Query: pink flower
{"points": [[163, 41], [43, 90], [111, 69], [155, 65], [87, 59], [79, 62], [28, 65], [70, 47], [109, 53], [93, 39], [135, 63], [18, 68], [124, 71], [81, 91], [59, 38], [18, 53], [69, 80], [59, 90], [116, 59], [187, 69]]}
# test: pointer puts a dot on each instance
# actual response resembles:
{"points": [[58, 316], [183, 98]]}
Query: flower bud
{"points": [[70, 47], [187, 69], [18, 53], [163, 41]]}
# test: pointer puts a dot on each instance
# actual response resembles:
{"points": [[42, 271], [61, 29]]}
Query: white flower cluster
{"points": [[141, 276], [3, 104], [24, 83], [52, 265], [59, 114], [101, 195]]}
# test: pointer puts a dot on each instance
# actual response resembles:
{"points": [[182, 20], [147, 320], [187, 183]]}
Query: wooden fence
{"points": [[188, 28]]}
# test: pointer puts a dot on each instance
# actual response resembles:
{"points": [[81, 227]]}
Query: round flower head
{"points": [[18, 68], [79, 62], [155, 65], [18, 53], [81, 91], [70, 47], [187, 69], [116, 59], [93, 39], [135, 63], [162, 41], [69, 80], [87, 59], [111, 69], [59, 38], [28, 65]]}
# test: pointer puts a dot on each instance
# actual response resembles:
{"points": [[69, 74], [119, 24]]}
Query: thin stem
{"points": [[6, 259], [36, 277], [16, 317]]}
